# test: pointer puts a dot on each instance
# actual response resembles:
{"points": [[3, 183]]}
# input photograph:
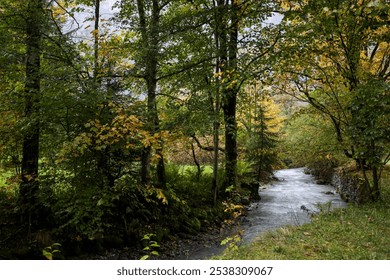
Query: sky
{"points": [[86, 27], [106, 12]]}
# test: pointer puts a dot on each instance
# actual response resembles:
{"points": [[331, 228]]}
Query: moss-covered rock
{"points": [[350, 186]]}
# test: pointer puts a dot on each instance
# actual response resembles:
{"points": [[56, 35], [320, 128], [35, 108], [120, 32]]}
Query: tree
{"points": [[156, 32], [29, 186], [260, 123], [227, 52], [335, 51], [240, 59], [220, 23], [309, 139], [41, 89]]}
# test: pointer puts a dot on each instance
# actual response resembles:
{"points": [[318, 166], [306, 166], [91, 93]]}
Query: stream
{"points": [[288, 201]]}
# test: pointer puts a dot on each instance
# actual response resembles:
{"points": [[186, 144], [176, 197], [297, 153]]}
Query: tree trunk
{"points": [[150, 35], [229, 110], [375, 192], [221, 57], [198, 168], [145, 165], [29, 186], [96, 40], [230, 100], [216, 126]]}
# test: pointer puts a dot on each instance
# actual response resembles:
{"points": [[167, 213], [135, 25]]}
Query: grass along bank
{"points": [[356, 232]]}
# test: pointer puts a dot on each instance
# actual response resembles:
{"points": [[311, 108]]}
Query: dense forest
{"points": [[125, 123]]}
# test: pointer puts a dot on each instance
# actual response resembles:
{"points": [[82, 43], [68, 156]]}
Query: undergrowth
{"points": [[87, 218]]}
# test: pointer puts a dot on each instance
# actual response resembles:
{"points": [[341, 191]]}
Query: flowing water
{"points": [[288, 201]]}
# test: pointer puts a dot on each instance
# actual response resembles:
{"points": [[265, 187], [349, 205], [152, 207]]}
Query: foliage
{"points": [[151, 246], [336, 59], [232, 242], [102, 117], [308, 138], [260, 125], [50, 251], [369, 130]]}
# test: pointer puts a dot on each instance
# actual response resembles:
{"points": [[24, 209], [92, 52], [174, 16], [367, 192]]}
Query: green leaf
{"points": [[47, 255], [100, 202], [144, 257], [226, 241]]}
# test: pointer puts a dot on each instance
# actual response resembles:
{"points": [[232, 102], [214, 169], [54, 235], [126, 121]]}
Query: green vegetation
{"points": [[90, 220], [164, 117], [341, 75], [191, 169], [353, 233], [4, 175]]}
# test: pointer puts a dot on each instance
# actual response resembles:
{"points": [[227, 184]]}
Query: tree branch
{"points": [[185, 68], [205, 148]]}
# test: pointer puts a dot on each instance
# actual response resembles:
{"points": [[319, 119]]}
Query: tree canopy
{"points": [[100, 115]]}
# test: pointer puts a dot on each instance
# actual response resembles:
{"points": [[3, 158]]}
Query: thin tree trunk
{"points": [[220, 45], [104, 165], [199, 169], [216, 126], [146, 151], [96, 40], [230, 100], [375, 193]]}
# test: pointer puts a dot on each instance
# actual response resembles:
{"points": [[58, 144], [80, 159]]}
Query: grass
{"points": [[192, 169], [354, 233], [242, 168]]}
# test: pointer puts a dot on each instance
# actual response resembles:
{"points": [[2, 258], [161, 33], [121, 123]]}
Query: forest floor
{"points": [[179, 247]]}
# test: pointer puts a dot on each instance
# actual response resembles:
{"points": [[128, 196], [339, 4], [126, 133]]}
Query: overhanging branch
{"points": [[205, 148]]}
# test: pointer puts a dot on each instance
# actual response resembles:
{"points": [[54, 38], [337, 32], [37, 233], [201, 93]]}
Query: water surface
{"points": [[288, 201]]}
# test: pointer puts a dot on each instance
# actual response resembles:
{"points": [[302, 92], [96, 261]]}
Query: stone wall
{"points": [[351, 187]]}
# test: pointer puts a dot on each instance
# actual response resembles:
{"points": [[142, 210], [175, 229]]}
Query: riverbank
{"points": [[355, 232], [191, 247]]}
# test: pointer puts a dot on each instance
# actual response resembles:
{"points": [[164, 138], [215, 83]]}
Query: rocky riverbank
{"points": [[349, 185]]}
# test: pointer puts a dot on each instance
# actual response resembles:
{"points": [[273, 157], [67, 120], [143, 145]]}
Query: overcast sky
{"points": [[106, 7], [106, 12]]}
